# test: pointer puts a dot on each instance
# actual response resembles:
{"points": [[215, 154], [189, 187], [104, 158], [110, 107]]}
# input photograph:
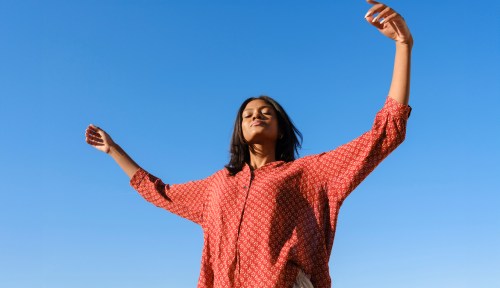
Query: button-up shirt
{"points": [[261, 226]]}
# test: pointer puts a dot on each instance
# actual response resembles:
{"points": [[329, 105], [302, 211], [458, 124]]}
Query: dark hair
{"points": [[286, 146]]}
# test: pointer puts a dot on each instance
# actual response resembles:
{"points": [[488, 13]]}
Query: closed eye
{"points": [[267, 112]]}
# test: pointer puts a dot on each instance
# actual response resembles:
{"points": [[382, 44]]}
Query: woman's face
{"points": [[259, 123]]}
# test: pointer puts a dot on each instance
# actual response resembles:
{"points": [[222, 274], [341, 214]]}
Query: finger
{"points": [[369, 19], [95, 139], [94, 136], [92, 128], [93, 143], [397, 22], [375, 9], [389, 18], [372, 2], [92, 131], [382, 14], [95, 127]]}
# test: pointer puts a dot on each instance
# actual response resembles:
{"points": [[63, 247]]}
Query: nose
{"points": [[257, 115]]}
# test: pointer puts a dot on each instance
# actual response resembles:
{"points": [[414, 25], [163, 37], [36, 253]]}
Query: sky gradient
{"points": [[165, 79]]}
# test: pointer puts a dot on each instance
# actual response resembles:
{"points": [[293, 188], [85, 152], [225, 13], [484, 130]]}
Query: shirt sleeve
{"points": [[345, 167], [186, 200]]}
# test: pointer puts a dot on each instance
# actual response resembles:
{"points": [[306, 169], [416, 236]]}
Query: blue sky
{"points": [[165, 79]]}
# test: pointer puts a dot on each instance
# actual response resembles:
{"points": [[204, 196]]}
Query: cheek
{"points": [[244, 131]]}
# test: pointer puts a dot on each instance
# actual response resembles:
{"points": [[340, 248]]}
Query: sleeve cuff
{"points": [[137, 178], [397, 109]]}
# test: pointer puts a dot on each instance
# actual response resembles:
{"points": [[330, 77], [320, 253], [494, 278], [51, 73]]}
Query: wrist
{"points": [[408, 44], [113, 149]]}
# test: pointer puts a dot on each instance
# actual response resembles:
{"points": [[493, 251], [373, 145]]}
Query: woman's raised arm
{"points": [[101, 140], [392, 25]]}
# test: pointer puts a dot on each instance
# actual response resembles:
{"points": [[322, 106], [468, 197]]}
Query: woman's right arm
{"points": [[186, 200], [101, 140]]}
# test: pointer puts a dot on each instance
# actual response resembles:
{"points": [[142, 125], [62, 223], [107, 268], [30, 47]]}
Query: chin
{"points": [[261, 141]]}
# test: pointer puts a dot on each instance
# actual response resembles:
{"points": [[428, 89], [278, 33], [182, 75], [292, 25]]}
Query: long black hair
{"points": [[287, 146]]}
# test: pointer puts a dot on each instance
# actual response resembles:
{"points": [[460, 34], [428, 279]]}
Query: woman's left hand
{"points": [[389, 22]]}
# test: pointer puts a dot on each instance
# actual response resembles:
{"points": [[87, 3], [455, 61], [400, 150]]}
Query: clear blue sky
{"points": [[165, 78]]}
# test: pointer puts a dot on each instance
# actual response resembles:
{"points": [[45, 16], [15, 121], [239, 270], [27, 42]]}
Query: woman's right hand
{"points": [[96, 137]]}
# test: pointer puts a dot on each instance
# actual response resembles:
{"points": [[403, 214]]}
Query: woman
{"points": [[269, 220]]}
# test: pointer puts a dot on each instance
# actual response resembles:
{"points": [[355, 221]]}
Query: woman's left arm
{"points": [[392, 25]]}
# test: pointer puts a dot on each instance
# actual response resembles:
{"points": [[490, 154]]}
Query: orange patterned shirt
{"points": [[260, 227]]}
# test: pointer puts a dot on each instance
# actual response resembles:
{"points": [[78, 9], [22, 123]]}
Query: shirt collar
{"points": [[266, 166]]}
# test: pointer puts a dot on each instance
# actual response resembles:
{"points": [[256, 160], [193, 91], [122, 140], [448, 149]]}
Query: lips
{"points": [[257, 123]]}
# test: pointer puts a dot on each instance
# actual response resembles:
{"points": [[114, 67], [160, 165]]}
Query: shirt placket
{"points": [[243, 197]]}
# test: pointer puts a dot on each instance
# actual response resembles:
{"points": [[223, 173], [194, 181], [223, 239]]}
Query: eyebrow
{"points": [[260, 107]]}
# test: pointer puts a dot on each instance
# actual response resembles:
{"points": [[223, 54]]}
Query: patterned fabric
{"points": [[262, 227]]}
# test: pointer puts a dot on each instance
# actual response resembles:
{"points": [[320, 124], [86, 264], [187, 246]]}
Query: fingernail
{"points": [[374, 19], [382, 22], [368, 13]]}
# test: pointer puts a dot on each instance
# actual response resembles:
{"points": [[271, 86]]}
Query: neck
{"points": [[260, 155]]}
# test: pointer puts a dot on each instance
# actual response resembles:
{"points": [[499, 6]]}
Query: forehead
{"points": [[256, 104]]}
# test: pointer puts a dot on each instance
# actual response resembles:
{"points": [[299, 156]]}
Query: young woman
{"points": [[269, 219]]}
